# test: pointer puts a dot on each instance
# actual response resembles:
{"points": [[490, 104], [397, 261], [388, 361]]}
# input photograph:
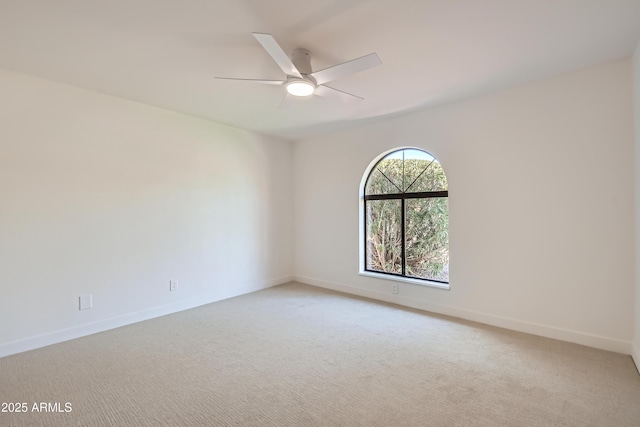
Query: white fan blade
{"points": [[275, 51], [343, 97], [266, 82], [347, 68]]}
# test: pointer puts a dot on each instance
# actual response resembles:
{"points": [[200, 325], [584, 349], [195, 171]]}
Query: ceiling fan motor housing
{"points": [[301, 58], [306, 85]]}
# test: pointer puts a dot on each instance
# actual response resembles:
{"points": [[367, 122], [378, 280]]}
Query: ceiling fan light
{"points": [[300, 88]]}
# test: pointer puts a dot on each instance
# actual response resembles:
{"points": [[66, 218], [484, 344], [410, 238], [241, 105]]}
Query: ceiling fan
{"points": [[301, 80]]}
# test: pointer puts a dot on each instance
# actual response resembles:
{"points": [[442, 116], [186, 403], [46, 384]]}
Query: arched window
{"points": [[406, 217]]}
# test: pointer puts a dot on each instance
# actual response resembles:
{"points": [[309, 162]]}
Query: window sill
{"points": [[419, 282]]}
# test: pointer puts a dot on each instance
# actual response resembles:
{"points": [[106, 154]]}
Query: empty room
{"points": [[328, 213]]}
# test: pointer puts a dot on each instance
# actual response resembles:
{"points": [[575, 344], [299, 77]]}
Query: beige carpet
{"points": [[296, 355]]}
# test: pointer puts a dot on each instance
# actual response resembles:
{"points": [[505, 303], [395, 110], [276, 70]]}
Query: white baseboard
{"points": [[547, 331], [635, 354], [79, 331]]}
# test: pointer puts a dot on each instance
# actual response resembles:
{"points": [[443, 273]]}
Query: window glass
{"points": [[378, 183], [407, 217], [431, 179], [385, 236], [415, 164], [427, 238]]}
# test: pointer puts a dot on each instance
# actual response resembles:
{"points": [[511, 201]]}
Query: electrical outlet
{"points": [[394, 288], [173, 285], [85, 302]]}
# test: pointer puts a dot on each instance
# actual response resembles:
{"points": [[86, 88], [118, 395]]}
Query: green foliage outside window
{"points": [[400, 175]]}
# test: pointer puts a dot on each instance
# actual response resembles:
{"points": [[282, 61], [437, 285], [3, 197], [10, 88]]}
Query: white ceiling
{"points": [[166, 52]]}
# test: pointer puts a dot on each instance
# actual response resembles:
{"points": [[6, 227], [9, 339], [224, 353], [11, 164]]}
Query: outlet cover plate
{"points": [[85, 302]]}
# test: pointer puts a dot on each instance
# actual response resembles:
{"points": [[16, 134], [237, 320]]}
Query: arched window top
{"points": [[407, 170]]}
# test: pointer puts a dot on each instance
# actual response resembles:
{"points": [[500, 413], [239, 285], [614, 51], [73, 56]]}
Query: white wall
{"points": [[103, 196], [636, 116], [541, 206]]}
